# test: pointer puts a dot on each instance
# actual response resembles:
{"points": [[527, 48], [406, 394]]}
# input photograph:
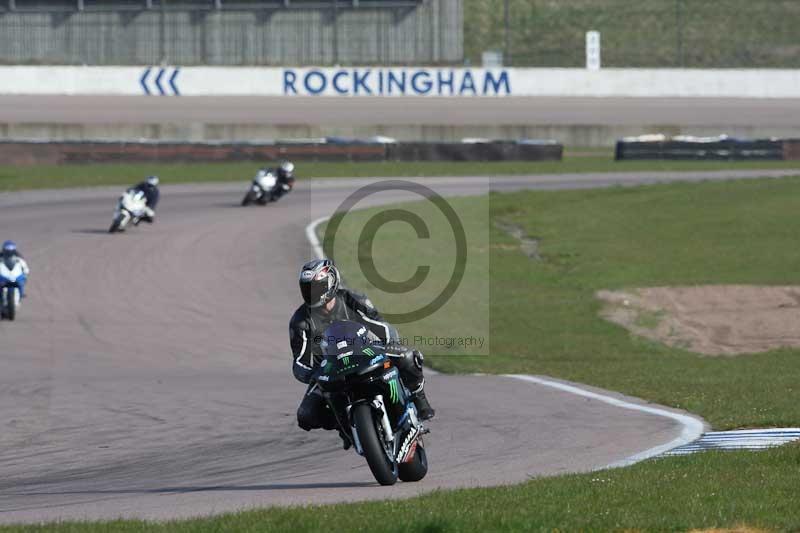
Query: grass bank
{"points": [[54, 177], [711, 490], [649, 33], [542, 313]]}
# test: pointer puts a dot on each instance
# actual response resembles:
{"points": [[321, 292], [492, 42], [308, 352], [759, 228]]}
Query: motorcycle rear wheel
{"points": [[417, 468], [384, 469]]}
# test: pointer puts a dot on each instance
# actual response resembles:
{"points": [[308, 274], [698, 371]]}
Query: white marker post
{"points": [[593, 50]]}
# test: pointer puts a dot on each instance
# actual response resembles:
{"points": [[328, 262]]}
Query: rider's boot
{"points": [[424, 409]]}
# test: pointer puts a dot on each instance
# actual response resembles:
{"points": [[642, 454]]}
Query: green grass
{"points": [[646, 33], [713, 489], [61, 176], [543, 319], [543, 316]]}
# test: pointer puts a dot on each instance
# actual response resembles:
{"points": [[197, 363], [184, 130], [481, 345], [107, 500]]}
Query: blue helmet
{"points": [[344, 336], [9, 247]]}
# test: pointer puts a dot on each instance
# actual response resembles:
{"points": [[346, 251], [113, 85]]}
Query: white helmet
{"points": [[286, 169]]}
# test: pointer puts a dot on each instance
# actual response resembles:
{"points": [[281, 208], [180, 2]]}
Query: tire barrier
{"points": [[705, 148], [66, 152]]}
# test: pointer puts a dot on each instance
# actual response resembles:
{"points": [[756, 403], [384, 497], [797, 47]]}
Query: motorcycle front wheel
{"points": [[116, 224], [248, 198], [11, 305], [383, 468]]}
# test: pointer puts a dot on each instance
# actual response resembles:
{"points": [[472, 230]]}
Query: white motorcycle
{"points": [[131, 206], [11, 273], [265, 188]]}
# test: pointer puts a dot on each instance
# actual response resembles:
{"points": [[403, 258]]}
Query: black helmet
{"points": [[344, 336], [319, 280]]}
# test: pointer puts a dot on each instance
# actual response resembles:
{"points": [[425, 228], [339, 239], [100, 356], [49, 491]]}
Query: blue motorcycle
{"points": [[11, 276]]}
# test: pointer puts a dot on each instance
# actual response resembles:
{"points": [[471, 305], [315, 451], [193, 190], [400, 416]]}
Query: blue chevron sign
{"points": [[153, 82]]}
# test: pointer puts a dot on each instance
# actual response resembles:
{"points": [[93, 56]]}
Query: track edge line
{"points": [[691, 430]]}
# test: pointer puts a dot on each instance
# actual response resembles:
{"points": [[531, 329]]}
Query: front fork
{"points": [[401, 451], [378, 406], [8, 292]]}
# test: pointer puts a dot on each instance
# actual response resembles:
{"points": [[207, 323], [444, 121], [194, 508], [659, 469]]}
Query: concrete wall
{"points": [[355, 82], [400, 81], [430, 33]]}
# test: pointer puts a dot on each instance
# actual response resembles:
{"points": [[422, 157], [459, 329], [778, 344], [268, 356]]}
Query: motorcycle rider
{"points": [[285, 172], [285, 175], [149, 187], [325, 302], [10, 254]]}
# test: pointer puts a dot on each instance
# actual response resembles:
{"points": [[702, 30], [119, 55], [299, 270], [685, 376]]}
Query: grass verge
{"points": [[543, 316], [710, 490], [61, 176]]}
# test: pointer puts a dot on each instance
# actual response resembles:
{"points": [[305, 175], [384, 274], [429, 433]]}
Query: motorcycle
{"points": [[265, 188], [131, 206], [374, 410], [10, 274]]}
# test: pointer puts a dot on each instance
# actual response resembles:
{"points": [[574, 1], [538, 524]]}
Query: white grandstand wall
{"points": [[398, 81]]}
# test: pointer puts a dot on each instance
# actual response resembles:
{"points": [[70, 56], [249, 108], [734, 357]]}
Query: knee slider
{"points": [[305, 420], [418, 359]]}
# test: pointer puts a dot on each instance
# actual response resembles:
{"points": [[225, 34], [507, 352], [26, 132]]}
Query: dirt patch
{"points": [[710, 319], [527, 245]]}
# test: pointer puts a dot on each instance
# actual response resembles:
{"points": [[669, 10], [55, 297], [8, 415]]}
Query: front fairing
{"points": [[346, 370], [134, 203], [266, 182], [363, 378], [10, 271]]}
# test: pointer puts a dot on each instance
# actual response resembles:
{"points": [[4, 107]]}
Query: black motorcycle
{"points": [[374, 409]]}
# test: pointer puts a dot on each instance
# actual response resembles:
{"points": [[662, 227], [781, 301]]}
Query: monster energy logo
{"points": [[394, 391], [369, 351]]}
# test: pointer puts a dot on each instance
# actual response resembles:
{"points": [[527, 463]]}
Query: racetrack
{"points": [[148, 374]]}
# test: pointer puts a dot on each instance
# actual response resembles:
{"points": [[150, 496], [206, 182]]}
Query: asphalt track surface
{"points": [[148, 374], [399, 111]]}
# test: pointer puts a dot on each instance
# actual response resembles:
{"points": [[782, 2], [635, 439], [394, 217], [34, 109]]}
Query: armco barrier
{"points": [[704, 149], [66, 152]]}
